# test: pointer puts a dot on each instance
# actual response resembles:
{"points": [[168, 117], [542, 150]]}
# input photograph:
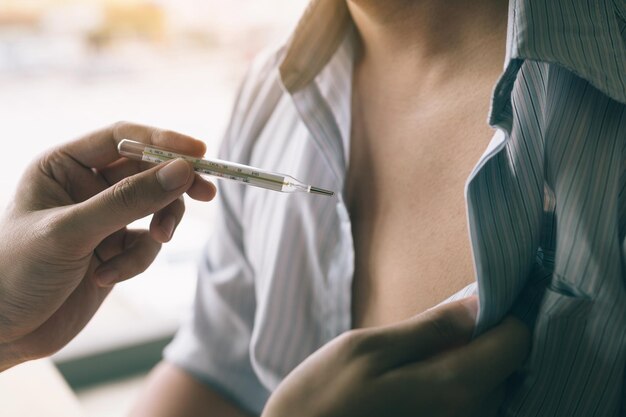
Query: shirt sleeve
{"points": [[214, 344]]}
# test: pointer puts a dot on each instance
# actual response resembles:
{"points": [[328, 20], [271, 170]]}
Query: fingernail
{"points": [[107, 277], [174, 175], [168, 224]]}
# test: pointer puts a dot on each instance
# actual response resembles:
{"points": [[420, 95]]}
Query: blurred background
{"points": [[71, 66]]}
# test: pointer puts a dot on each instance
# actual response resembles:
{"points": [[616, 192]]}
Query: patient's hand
{"points": [[64, 241], [424, 366]]}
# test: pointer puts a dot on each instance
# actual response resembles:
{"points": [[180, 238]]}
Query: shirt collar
{"points": [[581, 35], [319, 33]]}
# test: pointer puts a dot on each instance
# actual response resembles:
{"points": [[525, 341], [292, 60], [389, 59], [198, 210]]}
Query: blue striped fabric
{"points": [[546, 209]]}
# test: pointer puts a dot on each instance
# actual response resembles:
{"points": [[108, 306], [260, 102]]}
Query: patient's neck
{"points": [[415, 35]]}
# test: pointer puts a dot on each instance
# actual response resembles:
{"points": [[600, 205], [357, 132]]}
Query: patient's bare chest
{"points": [[405, 194]]}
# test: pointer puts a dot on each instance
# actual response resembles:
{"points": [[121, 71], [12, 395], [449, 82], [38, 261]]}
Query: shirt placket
{"points": [[316, 114]]}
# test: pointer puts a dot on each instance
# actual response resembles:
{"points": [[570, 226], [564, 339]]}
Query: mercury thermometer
{"points": [[243, 174]]}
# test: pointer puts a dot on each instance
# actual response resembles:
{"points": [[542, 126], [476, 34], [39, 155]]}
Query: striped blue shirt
{"points": [[546, 208]]}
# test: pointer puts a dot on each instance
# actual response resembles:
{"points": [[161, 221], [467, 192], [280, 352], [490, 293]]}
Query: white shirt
{"points": [[275, 282]]}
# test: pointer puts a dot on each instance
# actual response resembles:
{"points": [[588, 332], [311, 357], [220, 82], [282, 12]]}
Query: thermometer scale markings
{"points": [[200, 165]]}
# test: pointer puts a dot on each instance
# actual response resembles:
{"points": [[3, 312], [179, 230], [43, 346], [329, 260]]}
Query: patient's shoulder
{"points": [[261, 80], [258, 95]]}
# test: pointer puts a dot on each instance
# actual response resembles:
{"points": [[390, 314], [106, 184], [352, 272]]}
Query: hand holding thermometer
{"points": [[243, 174]]}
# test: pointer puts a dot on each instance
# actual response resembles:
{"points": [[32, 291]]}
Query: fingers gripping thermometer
{"points": [[243, 174]]}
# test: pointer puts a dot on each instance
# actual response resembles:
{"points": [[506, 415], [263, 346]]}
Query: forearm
{"points": [[171, 391]]}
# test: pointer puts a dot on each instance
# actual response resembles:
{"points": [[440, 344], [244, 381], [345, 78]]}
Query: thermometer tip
{"points": [[321, 191]]}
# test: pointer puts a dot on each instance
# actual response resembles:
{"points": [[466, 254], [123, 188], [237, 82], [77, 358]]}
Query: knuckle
{"points": [[122, 130], [350, 341], [356, 352], [157, 134], [48, 158], [445, 325], [125, 195], [53, 164], [357, 342], [119, 126]]}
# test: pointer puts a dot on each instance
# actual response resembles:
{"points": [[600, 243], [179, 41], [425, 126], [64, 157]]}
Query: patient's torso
{"points": [[405, 193]]}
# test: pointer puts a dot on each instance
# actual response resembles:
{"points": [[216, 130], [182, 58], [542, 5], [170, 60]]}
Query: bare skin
{"points": [[421, 91], [173, 392]]}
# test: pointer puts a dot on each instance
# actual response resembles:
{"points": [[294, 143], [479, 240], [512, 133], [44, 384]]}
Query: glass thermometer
{"points": [[243, 174]]}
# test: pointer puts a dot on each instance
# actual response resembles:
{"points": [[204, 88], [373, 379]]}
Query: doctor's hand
{"points": [[64, 241], [424, 366]]}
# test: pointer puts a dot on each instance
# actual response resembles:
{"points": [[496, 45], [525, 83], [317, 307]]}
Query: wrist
{"points": [[9, 331], [17, 307], [7, 325]]}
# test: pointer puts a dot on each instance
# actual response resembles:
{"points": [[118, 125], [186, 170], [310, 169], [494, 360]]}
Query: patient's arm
{"points": [[171, 391]]}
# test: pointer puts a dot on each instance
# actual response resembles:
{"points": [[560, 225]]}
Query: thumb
{"points": [[133, 198], [431, 332]]}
